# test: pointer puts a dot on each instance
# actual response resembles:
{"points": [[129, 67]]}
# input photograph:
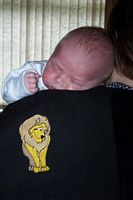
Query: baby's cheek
{"points": [[45, 77]]}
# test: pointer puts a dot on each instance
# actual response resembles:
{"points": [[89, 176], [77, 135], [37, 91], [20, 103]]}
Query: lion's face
{"points": [[39, 132]]}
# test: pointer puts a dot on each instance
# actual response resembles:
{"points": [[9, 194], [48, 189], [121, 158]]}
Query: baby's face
{"points": [[66, 70]]}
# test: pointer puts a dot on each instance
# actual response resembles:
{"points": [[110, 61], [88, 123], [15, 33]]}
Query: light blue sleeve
{"points": [[13, 87]]}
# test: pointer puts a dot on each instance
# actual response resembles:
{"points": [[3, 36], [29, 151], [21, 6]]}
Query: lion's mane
{"points": [[25, 136]]}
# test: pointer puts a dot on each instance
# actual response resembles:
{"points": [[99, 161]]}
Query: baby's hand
{"points": [[31, 81]]}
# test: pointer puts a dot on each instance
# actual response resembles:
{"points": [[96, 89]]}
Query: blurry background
{"points": [[30, 29]]}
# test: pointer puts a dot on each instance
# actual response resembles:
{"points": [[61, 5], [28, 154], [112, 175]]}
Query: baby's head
{"points": [[81, 60]]}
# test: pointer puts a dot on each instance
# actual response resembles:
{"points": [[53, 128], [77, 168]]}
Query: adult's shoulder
{"points": [[121, 100], [95, 96]]}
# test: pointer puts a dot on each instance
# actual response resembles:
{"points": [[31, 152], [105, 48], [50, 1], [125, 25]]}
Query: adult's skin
{"points": [[120, 29]]}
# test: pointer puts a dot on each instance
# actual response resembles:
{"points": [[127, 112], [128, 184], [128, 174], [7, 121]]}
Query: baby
{"points": [[81, 60]]}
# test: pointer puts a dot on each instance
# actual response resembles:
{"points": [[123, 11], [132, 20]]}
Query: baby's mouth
{"points": [[55, 87], [50, 87]]}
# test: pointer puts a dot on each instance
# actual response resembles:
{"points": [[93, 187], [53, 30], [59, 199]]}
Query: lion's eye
{"points": [[45, 132], [40, 129]]}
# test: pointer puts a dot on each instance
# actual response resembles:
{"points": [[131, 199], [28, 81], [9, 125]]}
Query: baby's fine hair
{"points": [[94, 40], [94, 43]]}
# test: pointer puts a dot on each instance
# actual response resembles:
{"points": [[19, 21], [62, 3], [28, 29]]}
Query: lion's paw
{"points": [[44, 169], [30, 168], [38, 169]]}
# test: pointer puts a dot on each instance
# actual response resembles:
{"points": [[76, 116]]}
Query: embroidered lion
{"points": [[35, 141]]}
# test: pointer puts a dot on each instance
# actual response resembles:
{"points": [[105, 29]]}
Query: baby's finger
{"points": [[32, 80], [33, 90], [37, 75], [32, 85], [31, 75]]}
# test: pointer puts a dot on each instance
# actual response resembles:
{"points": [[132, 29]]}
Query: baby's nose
{"points": [[68, 86], [64, 82]]}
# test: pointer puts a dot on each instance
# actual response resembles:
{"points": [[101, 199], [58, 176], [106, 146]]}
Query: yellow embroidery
{"points": [[35, 141]]}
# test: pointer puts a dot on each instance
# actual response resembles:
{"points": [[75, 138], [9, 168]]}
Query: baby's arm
{"points": [[13, 87]]}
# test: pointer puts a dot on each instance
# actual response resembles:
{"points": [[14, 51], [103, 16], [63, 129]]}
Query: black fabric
{"points": [[81, 154], [122, 105]]}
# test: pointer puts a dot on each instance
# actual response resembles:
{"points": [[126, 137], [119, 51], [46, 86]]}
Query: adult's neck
{"points": [[118, 77]]}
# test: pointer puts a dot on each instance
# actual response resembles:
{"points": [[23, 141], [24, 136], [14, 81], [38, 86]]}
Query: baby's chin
{"points": [[55, 87], [50, 87]]}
